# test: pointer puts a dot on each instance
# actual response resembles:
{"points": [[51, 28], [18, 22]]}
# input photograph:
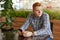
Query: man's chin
{"points": [[38, 15]]}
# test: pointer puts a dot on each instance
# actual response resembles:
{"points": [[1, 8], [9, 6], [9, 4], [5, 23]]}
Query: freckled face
{"points": [[37, 10]]}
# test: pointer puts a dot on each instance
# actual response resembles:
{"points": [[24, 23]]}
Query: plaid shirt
{"points": [[40, 25]]}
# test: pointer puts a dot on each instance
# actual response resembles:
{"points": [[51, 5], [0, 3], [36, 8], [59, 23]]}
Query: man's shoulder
{"points": [[45, 14]]}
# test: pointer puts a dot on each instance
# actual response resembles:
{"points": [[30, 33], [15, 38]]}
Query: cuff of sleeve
{"points": [[20, 30]]}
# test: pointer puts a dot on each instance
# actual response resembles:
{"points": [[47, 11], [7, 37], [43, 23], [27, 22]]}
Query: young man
{"points": [[39, 21]]}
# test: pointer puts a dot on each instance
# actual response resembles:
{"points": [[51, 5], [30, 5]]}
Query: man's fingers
{"points": [[24, 32], [27, 33]]}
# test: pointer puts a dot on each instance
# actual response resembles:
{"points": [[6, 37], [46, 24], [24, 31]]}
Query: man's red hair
{"points": [[36, 4]]}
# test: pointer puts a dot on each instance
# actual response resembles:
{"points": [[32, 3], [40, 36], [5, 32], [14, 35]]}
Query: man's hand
{"points": [[20, 33], [27, 33]]}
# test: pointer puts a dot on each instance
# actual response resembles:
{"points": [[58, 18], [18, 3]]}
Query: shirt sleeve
{"points": [[46, 26], [26, 24]]}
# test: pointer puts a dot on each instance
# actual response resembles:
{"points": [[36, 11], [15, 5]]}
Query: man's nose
{"points": [[39, 11]]}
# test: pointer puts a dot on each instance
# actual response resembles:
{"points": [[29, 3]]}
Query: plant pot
{"points": [[10, 35]]}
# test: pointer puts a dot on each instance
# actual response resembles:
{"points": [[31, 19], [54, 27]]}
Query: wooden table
{"points": [[33, 38]]}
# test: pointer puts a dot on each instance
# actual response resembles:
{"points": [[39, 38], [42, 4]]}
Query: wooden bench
{"points": [[18, 22]]}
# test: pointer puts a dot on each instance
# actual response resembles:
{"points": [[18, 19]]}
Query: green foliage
{"points": [[54, 14], [22, 13], [8, 5], [7, 11]]}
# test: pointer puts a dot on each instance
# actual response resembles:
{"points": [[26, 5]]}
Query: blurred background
{"points": [[13, 13], [27, 4]]}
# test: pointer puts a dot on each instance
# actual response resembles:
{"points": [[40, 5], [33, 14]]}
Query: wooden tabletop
{"points": [[34, 38]]}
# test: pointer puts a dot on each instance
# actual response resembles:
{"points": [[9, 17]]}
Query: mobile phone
{"points": [[20, 30]]}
